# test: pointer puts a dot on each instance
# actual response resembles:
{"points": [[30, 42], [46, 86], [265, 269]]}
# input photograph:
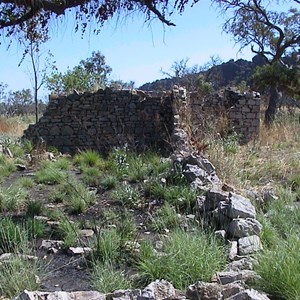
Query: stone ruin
{"points": [[114, 118], [239, 111], [106, 119]]}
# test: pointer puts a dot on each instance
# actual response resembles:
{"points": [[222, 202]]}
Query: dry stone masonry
{"points": [[240, 112], [106, 119], [109, 118]]}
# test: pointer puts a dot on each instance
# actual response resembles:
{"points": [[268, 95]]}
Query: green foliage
{"points": [[164, 218], [90, 75], [285, 78], [34, 208], [50, 173], [109, 182], [58, 195], [128, 195], [17, 275], [126, 227], [13, 238], [68, 231], [88, 158], [7, 166], [62, 163], [91, 175], [182, 197], [282, 217], [106, 278], [35, 228], [12, 198], [25, 182], [279, 268], [107, 247], [186, 258], [78, 197]]}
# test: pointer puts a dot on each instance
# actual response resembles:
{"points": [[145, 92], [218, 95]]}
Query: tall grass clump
{"points": [[279, 268], [7, 166], [107, 246], [13, 237], [17, 275], [49, 173], [106, 278], [128, 195], [12, 198], [68, 231], [164, 218], [78, 196], [186, 258], [89, 158], [282, 216]]}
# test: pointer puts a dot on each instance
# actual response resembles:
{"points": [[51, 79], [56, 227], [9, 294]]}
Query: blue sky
{"points": [[135, 50]]}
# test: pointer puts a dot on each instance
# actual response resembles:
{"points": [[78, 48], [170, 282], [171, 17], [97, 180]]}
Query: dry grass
{"points": [[14, 126], [272, 158]]}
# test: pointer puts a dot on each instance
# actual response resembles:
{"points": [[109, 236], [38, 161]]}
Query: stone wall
{"points": [[106, 119], [240, 113]]}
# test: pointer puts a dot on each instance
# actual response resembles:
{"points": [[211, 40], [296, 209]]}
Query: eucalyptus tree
{"points": [[88, 76], [272, 31], [15, 13]]}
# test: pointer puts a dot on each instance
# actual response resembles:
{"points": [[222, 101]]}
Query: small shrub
{"points": [[282, 214], [63, 163], [58, 195], [106, 278], [126, 225], [181, 197], [79, 197], [137, 169], [7, 166], [17, 275]]}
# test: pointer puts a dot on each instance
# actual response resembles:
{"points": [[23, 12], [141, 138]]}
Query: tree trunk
{"points": [[272, 107]]}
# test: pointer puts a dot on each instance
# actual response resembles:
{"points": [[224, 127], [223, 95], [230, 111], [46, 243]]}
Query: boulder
{"points": [[158, 290], [228, 277], [239, 207], [249, 244], [192, 172], [213, 197], [244, 227], [204, 291], [244, 263]]}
